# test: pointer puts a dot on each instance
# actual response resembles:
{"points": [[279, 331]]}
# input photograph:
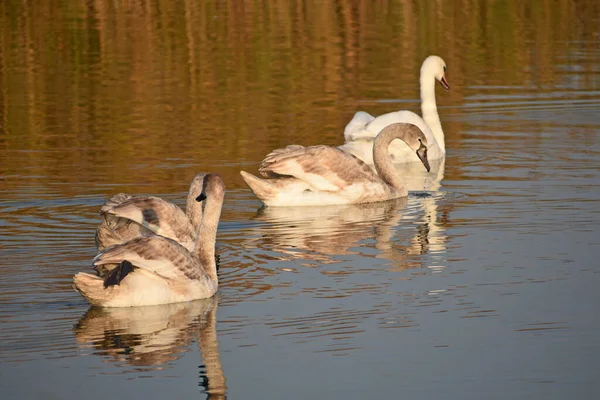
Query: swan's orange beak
{"points": [[444, 82]]}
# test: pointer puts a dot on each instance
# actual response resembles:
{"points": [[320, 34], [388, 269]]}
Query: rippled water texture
{"points": [[482, 284]]}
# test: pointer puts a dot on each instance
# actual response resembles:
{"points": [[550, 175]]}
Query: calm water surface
{"points": [[483, 284]]}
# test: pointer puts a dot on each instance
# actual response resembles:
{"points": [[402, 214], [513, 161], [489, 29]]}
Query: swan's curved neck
{"points": [[207, 234], [429, 108], [193, 209], [381, 156]]}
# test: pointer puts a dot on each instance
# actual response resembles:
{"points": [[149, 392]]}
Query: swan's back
{"points": [[323, 168], [378, 124], [316, 175], [156, 254]]}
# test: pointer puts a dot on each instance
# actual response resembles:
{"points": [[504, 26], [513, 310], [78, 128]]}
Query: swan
{"points": [[324, 175], [157, 270], [363, 127], [126, 217]]}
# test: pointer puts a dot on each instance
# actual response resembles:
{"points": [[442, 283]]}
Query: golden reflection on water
{"points": [[100, 91]]}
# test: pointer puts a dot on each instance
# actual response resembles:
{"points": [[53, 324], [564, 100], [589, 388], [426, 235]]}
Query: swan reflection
{"points": [[323, 231], [149, 337]]}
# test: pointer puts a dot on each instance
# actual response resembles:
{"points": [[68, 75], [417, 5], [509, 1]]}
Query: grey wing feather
{"points": [[323, 167], [157, 254], [278, 155], [158, 215], [114, 201]]}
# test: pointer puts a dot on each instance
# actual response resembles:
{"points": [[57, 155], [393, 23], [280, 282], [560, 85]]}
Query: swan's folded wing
{"points": [[322, 167], [114, 201], [159, 255], [156, 214], [357, 124], [114, 230]]}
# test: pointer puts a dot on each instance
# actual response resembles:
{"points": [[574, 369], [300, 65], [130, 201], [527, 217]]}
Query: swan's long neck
{"points": [[381, 156], [193, 209], [207, 234], [429, 108]]}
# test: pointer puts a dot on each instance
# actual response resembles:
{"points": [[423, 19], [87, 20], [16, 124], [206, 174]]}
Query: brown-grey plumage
{"points": [[126, 217], [155, 248], [318, 175], [336, 166], [164, 271]]}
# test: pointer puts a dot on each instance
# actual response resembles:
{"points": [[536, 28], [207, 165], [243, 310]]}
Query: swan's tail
{"points": [[263, 189], [98, 290], [92, 288]]}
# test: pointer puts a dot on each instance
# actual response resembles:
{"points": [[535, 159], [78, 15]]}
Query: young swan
{"points": [[322, 175], [363, 127], [127, 217], [155, 269]]}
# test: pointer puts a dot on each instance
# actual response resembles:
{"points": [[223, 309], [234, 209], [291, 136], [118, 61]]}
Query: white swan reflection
{"points": [[323, 231], [418, 179], [149, 337]]}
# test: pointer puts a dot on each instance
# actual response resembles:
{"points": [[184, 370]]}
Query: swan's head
{"points": [[212, 186], [412, 136], [435, 66], [417, 141], [422, 154], [196, 187]]}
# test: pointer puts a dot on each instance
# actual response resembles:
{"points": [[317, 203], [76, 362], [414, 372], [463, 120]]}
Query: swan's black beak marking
{"points": [[201, 197], [422, 154]]}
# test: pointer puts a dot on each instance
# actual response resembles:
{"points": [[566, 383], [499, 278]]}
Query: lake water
{"points": [[485, 285]]}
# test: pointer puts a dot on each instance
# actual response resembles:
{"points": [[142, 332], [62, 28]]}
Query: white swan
{"points": [[362, 129], [127, 217], [157, 270], [322, 175]]}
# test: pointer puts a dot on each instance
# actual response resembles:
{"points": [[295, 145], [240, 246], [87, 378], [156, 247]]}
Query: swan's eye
{"points": [[444, 68]]}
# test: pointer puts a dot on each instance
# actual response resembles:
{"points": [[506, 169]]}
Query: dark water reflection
{"points": [[481, 284]]}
